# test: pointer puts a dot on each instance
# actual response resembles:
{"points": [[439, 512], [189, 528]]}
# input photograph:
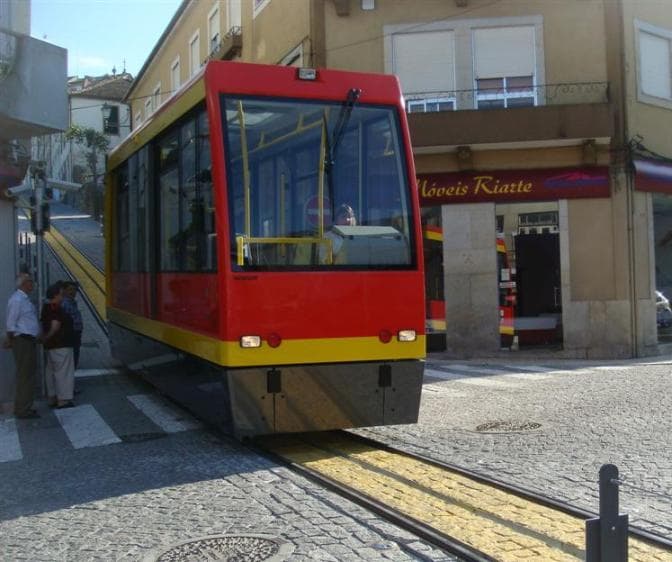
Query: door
{"points": [[539, 303]]}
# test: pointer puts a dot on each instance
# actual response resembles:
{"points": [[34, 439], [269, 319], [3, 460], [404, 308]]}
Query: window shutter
{"points": [[425, 62], [504, 51], [655, 65]]}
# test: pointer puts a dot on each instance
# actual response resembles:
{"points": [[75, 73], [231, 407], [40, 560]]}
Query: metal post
{"points": [[607, 535], [38, 190]]}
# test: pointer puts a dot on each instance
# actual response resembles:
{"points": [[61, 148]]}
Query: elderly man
{"points": [[23, 328]]}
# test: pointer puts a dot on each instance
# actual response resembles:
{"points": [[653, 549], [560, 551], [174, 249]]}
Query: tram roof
{"points": [[258, 79], [186, 98]]}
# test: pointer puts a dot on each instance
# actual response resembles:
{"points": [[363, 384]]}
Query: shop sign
{"points": [[653, 175], [513, 185]]}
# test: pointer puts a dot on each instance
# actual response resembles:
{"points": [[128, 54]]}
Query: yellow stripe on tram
{"points": [[90, 279]]}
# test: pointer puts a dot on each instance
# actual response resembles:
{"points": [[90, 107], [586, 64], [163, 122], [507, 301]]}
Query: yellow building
{"points": [[539, 127]]}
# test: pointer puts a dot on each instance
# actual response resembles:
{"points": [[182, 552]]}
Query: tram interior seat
{"points": [[376, 245]]}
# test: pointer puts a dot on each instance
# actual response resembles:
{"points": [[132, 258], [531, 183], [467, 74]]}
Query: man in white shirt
{"points": [[23, 328]]}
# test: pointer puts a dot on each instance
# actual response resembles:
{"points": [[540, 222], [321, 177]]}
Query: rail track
{"points": [[461, 512], [90, 279]]}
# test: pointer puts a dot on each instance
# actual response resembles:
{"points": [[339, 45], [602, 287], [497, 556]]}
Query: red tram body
{"points": [[233, 285]]}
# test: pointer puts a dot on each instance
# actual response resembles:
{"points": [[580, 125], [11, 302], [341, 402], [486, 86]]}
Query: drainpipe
{"points": [[614, 25]]}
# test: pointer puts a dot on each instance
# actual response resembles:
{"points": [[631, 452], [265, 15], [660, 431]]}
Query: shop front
{"points": [[497, 255], [655, 177]]}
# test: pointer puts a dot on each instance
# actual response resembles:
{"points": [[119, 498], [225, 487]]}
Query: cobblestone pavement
{"points": [[589, 414], [126, 474], [157, 479], [74, 492]]}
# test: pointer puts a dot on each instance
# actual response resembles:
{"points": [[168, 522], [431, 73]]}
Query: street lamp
{"points": [[107, 113]]}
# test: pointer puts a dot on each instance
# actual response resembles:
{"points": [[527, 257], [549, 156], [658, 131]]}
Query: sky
{"points": [[102, 34]]}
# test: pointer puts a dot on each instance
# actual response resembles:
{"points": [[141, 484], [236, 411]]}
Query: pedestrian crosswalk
{"points": [[505, 375], [85, 427]]}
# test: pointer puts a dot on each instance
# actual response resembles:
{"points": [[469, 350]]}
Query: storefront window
{"points": [[432, 235], [662, 226]]}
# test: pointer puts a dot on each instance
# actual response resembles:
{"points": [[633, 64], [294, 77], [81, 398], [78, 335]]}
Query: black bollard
{"points": [[607, 535]]}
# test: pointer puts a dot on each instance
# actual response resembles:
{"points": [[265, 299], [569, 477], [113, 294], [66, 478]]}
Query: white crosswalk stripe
{"points": [[479, 370], [168, 417], [505, 375], [10, 447], [444, 375], [468, 377], [85, 428]]}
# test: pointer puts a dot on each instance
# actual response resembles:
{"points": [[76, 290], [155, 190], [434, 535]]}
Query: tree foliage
{"points": [[93, 141]]}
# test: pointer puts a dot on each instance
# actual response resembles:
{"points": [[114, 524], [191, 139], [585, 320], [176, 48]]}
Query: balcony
{"points": [[558, 112], [33, 92], [229, 47]]}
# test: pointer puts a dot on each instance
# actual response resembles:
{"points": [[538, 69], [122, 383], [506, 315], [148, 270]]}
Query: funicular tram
{"points": [[236, 282]]}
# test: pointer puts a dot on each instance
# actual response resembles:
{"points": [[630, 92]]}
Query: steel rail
{"points": [[413, 526], [83, 271], [335, 446], [636, 532]]}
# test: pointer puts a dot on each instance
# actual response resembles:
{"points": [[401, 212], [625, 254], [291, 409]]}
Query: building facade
{"points": [[32, 102], [541, 134], [95, 104]]}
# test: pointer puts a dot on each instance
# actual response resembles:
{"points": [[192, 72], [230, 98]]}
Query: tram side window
{"points": [[123, 257], [207, 242], [169, 184], [142, 225], [187, 239], [132, 249]]}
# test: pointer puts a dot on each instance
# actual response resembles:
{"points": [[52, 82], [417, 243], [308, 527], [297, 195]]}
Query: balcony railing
{"points": [[230, 45], [504, 96]]}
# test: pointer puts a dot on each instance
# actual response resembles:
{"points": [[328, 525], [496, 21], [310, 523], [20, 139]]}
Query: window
{"points": [[194, 53], [213, 30], [430, 104], [289, 211], [233, 13], [655, 63], [175, 75], [123, 254], [293, 58], [467, 64], [111, 123], [504, 66], [156, 97], [428, 86], [512, 91], [368, 4], [148, 107], [138, 119], [258, 6], [187, 232]]}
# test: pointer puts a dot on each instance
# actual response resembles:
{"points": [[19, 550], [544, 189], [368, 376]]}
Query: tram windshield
{"points": [[316, 185]]}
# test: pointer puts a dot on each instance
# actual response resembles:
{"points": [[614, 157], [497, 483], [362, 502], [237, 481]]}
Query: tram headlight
{"points": [[250, 341], [406, 335]]}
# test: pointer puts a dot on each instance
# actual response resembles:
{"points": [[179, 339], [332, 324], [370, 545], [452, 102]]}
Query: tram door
{"points": [[539, 303]]}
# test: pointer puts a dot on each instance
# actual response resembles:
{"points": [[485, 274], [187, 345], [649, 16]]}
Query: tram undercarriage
{"points": [[285, 399]]}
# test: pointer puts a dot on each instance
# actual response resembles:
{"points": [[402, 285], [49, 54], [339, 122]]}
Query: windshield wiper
{"points": [[339, 130]]}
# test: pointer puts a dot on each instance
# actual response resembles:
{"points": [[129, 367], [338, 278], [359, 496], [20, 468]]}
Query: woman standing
{"points": [[58, 341]]}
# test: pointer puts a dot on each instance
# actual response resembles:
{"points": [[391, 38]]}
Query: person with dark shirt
{"points": [[69, 304], [57, 340]]}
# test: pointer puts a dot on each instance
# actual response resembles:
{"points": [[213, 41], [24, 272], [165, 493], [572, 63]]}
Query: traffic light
{"points": [[46, 219]]}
